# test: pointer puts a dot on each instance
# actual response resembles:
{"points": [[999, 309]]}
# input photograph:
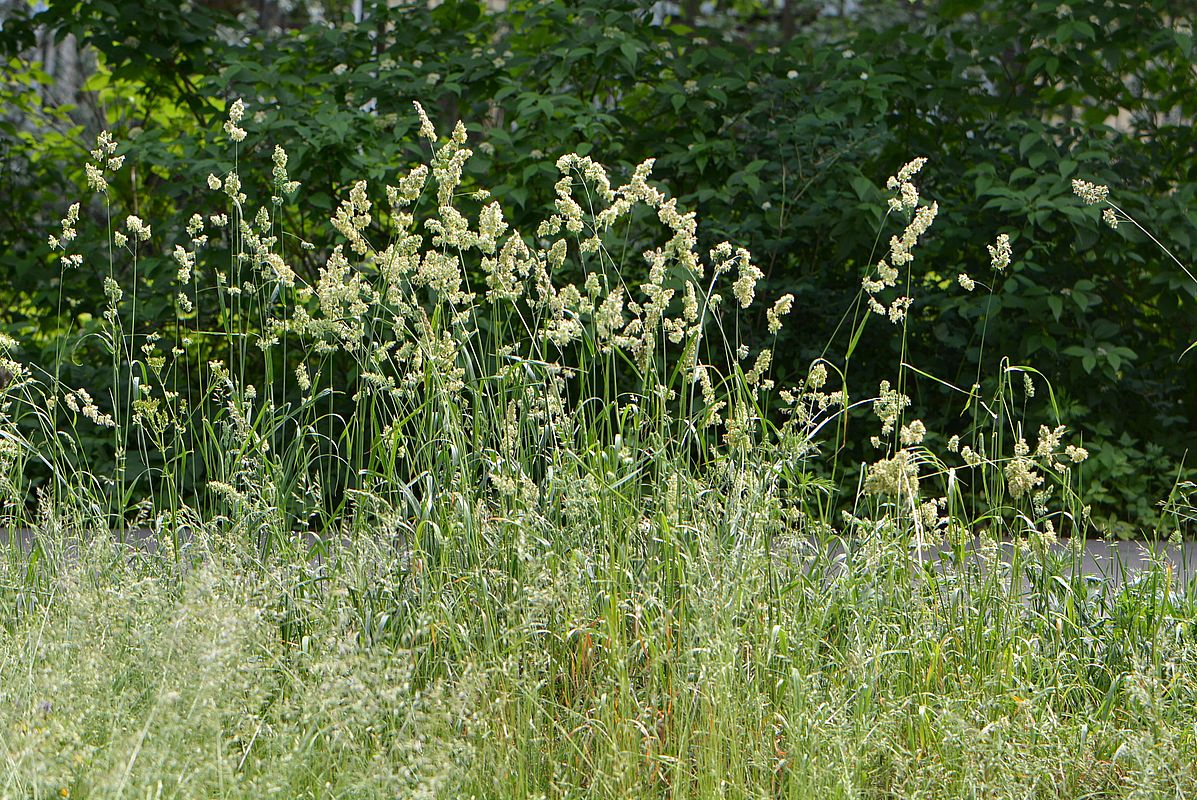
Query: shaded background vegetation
{"points": [[777, 123]]}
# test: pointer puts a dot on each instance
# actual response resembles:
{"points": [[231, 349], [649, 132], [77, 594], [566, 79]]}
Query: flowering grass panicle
{"points": [[901, 248], [236, 113], [1000, 252], [1090, 193]]}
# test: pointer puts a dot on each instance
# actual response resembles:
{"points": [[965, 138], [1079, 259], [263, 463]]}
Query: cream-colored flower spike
{"points": [[427, 131], [1090, 193]]}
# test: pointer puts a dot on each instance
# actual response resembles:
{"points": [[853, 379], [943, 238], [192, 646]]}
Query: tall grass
{"points": [[416, 535]]}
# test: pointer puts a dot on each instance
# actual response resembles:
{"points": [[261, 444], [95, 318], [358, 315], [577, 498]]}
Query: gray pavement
{"points": [[1113, 561]]}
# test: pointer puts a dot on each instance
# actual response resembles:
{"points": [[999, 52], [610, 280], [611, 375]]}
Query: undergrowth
{"points": [[475, 512]]}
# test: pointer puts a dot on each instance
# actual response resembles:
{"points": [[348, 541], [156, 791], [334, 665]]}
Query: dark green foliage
{"points": [[781, 146]]}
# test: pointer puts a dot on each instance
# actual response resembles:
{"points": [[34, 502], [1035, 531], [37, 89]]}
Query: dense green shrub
{"points": [[775, 144]]}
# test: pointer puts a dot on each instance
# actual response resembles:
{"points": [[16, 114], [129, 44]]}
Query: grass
{"points": [[534, 539]]}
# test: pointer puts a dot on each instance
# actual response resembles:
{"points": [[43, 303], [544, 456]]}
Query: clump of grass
{"points": [[555, 534]]}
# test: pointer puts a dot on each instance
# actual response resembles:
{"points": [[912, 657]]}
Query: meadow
{"points": [[494, 513]]}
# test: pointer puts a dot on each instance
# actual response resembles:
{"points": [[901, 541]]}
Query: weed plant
{"points": [[442, 523]]}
